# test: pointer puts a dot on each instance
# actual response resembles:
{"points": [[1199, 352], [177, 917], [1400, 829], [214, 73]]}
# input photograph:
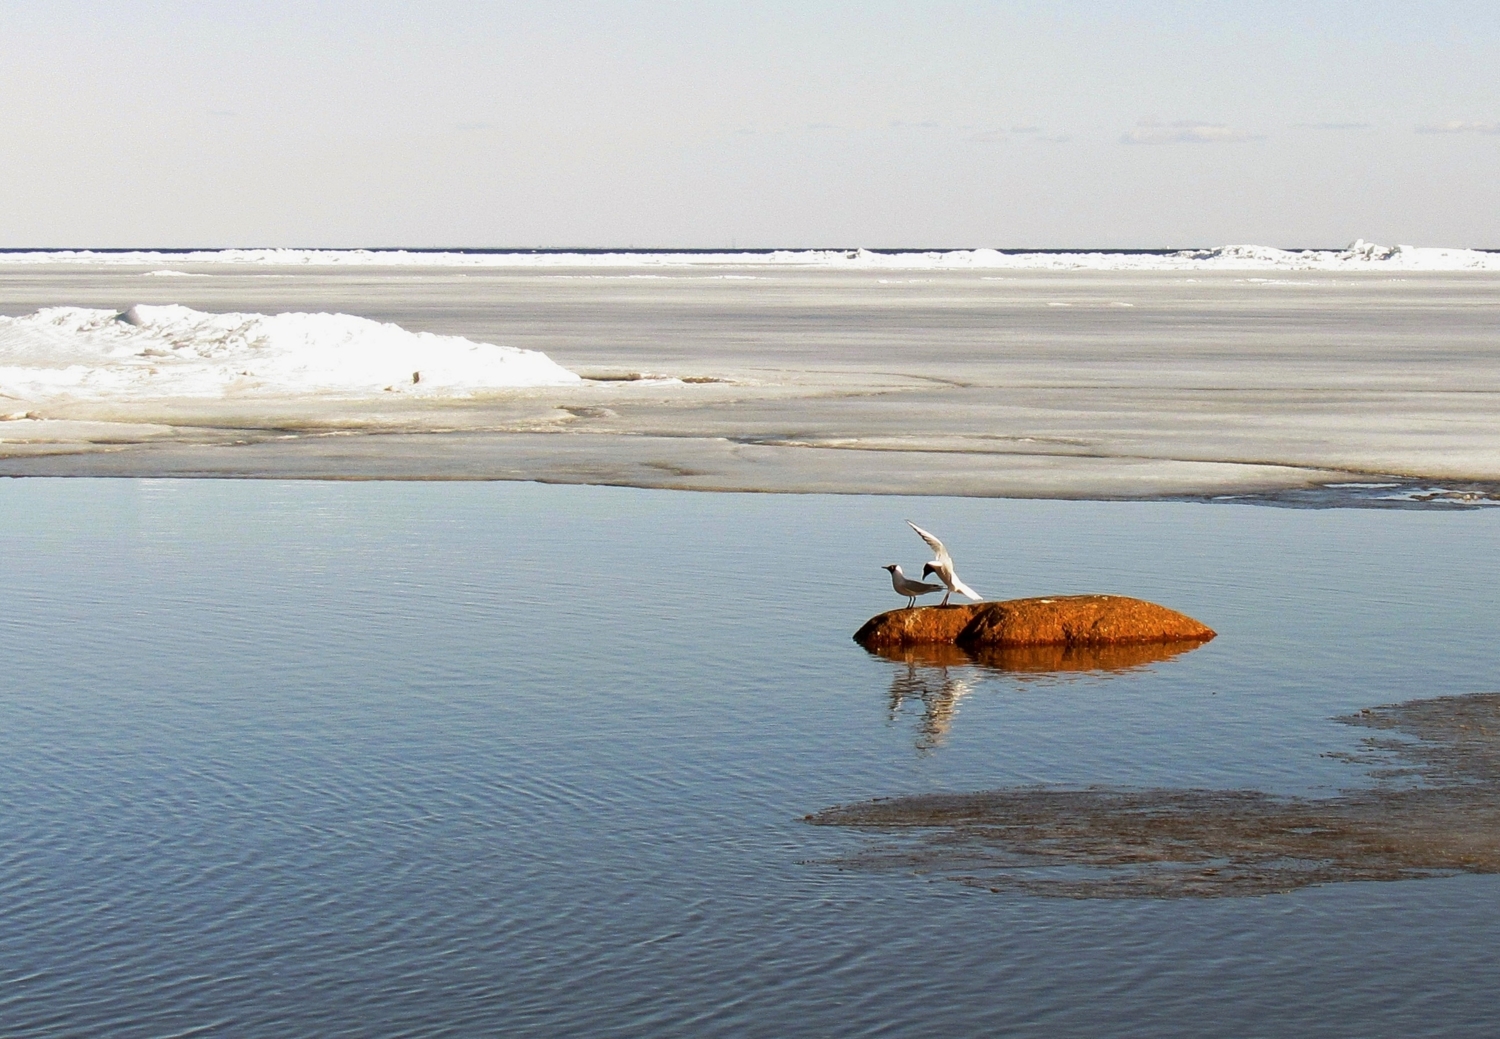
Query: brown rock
{"points": [[1073, 620], [1059, 620], [918, 626]]}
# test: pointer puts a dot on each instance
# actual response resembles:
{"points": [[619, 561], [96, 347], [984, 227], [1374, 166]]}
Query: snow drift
{"points": [[173, 351]]}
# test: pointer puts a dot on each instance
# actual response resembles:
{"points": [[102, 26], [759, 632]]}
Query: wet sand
{"points": [[1433, 811], [1079, 384]]}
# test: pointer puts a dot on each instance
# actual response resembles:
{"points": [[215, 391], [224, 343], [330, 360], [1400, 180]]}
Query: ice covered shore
{"points": [[1081, 383], [1360, 255], [154, 352]]}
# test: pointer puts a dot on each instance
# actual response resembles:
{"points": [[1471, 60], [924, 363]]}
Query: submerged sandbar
{"points": [[1435, 811]]}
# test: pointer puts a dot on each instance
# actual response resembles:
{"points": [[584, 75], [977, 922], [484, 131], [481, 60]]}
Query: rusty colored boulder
{"points": [[1058, 620], [919, 626]]}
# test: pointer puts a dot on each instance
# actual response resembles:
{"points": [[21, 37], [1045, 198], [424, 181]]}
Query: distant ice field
{"points": [[1372, 381], [1359, 255]]}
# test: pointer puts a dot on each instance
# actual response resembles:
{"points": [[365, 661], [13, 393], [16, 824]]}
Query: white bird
{"points": [[906, 586], [943, 567]]}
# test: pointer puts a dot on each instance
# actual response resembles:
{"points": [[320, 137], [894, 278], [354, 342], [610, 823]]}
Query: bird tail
{"points": [[966, 591]]}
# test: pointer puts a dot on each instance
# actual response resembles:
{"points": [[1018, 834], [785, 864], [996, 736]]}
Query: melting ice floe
{"points": [[1360, 255], [173, 351]]}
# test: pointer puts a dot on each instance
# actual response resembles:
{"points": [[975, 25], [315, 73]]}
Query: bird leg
{"points": [[945, 598]]}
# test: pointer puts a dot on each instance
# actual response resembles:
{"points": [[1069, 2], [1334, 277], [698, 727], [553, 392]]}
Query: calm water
{"points": [[285, 759]]}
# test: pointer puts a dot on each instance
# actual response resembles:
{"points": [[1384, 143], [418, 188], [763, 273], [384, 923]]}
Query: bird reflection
{"points": [[938, 676], [936, 688]]}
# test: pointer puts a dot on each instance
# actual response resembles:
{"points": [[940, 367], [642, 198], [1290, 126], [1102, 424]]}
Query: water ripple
{"points": [[286, 759]]}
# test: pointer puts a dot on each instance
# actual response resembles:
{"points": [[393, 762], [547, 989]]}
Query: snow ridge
{"points": [[152, 352]]}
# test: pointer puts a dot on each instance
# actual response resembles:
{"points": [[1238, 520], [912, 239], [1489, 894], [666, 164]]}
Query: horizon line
{"points": [[685, 250]]}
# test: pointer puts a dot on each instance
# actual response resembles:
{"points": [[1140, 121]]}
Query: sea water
{"points": [[381, 759]]}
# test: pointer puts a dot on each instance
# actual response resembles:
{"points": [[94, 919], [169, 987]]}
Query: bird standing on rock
{"points": [[942, 565], [906, 586]]}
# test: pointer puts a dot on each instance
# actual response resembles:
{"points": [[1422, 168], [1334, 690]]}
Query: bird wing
{"points": [[906, 586], [933, 543]]}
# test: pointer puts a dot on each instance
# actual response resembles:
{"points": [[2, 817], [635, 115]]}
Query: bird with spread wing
{"points": [[942, 566]]}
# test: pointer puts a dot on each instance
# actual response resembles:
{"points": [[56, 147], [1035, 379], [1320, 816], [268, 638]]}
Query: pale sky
{"points": [[707, 125]]}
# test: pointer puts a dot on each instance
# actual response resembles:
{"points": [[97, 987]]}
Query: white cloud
{"points": [[1459, 126], [1333, 126], [1184, 132]]}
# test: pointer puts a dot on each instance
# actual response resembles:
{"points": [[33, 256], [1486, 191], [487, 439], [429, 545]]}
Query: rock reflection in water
{"points": [[1435, 811], [928, 676], [928, 679], [1022, 661]]}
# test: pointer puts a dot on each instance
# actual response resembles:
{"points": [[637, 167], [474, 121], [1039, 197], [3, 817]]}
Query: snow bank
{"points": [[1361, 255], [172, 351]]}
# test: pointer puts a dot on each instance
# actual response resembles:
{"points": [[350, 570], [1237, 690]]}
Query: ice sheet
{"points": [[1041, 384], [76, 354], [1359, 255]]}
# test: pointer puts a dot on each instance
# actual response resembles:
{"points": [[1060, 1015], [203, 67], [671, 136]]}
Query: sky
{"points": [[749, 125]]}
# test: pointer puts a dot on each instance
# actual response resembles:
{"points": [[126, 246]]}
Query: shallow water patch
{"points": [[1434, 811]]}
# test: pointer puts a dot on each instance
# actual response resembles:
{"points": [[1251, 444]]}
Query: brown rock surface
{"points": [[919, 626], [1074, 620], [1059, 620]]}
